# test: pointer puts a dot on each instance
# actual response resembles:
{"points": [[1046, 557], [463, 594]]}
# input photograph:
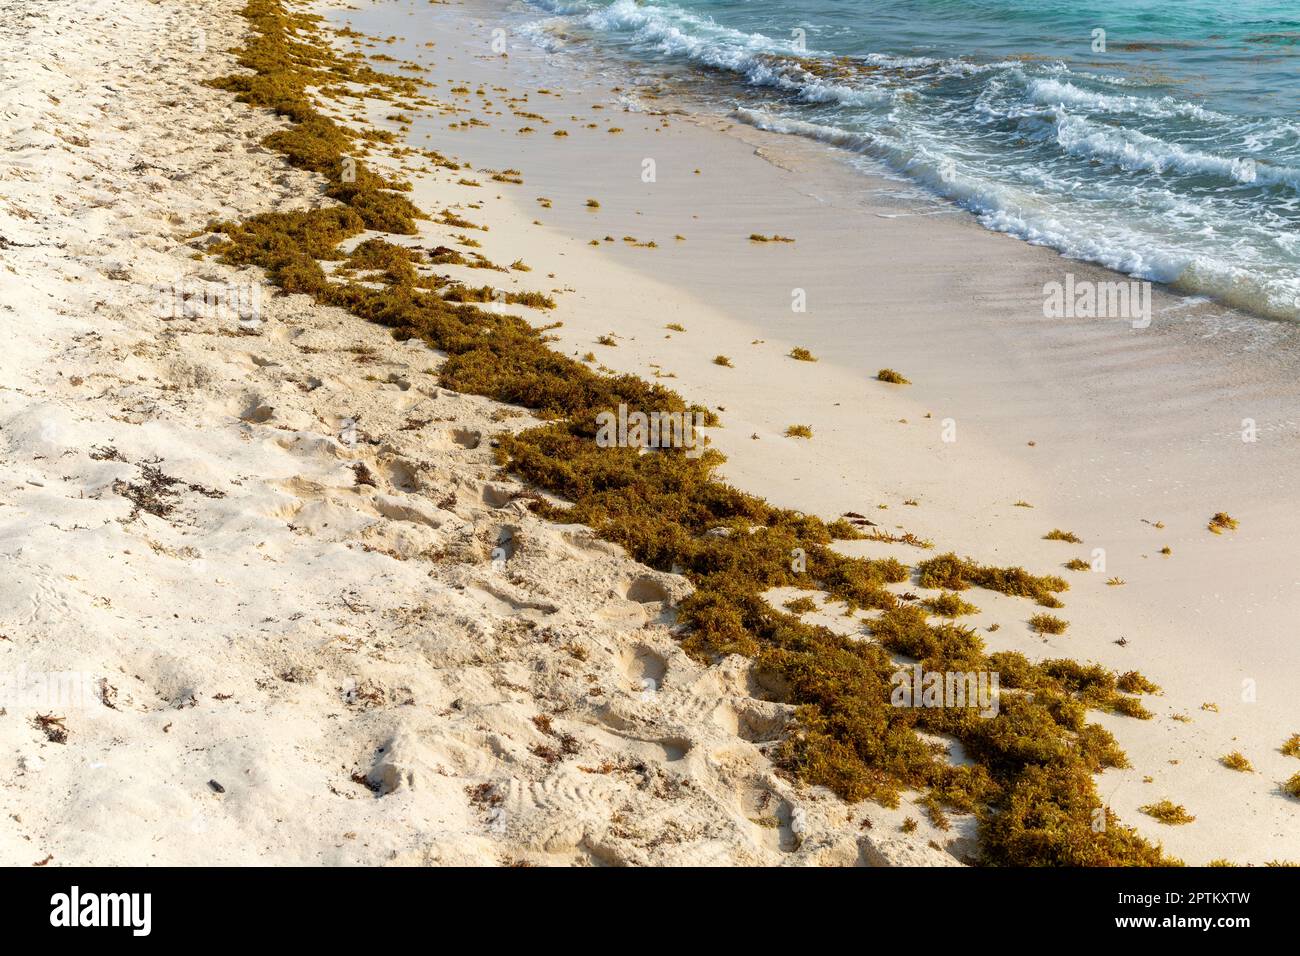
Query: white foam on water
{"points": [[1006, 209], [1174, 201]]}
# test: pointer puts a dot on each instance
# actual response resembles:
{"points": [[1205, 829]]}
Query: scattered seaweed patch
{"points": [[1056, 534], [1169, 813], [54, 728], [800, 354], [1133, 682], [723, 361], [1292, 747], [759, 237], [1237, 761], [947, 571], [889, 537], [1292, 786], [1048, 624], [1130, 707], [949, 604], [798, 431], [1221, 522], [889, 375]]}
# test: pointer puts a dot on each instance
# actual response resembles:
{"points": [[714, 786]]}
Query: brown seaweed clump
{"points": [[1169, 813], [1056, 534], [1292, 786], [1221, 522], [1237, 761]]}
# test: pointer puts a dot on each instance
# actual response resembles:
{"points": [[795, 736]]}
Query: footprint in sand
{"points": [[645, 670], [467, 437]]}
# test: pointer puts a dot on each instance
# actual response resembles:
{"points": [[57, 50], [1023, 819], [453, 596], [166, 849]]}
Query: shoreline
{"points": [[499, 732], [736, 84]]}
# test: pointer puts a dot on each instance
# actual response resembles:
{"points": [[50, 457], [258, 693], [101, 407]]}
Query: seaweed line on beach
{"points": [[1030, 781]]}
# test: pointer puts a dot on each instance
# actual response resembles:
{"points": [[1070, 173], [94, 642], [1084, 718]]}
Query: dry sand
{"points": [[350, 664]]}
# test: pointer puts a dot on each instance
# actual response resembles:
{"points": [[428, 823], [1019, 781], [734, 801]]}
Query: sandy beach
{"points": [[309, 619]]}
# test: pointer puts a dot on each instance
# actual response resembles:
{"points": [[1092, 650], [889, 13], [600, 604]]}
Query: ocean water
{"points": [[1168, 149]]}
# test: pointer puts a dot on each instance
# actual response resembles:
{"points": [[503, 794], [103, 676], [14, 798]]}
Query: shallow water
{"points": [[1169, 148]]}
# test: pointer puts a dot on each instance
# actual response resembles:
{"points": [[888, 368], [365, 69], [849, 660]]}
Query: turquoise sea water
{"points": [[1173, 153]]}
